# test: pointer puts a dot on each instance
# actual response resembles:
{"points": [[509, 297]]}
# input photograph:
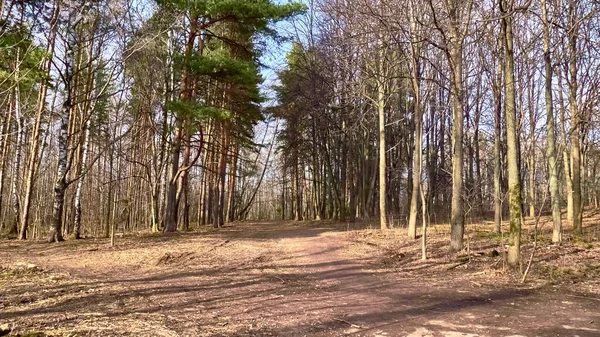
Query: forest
{"points": [[299, 167]]}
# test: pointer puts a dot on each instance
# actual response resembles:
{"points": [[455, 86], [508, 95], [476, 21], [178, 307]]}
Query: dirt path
{"points": [[266, 279]]}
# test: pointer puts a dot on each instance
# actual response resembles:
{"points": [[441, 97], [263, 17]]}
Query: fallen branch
{"points": [[279, 278], [477, 284], [457, 265], [351, 324], [218, 245], [585, 297]]}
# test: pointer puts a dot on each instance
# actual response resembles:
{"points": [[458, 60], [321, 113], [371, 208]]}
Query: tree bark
{"points": [[381, 114], [4, 158], [60, 185], [497, 148], [78, 191], [514, 183], [418, 120], [551, 130], [457, 217], [575, 121], [172, 207], [35, 138], [232, 186], [220, 221], [16, 198]]}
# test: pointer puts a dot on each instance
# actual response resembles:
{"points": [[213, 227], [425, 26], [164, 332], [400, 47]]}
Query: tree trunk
{"points": [[18, 155], [532, 151], [35, 138], [457, 220], [60, 185], [551, 129], [575, 122], [565, 152], [172, 207], [3, 158], [232, 186], [78, 191], [183, 184], [223, 174], [514, 184], [297, 187], [382, 161], [418, 120]]}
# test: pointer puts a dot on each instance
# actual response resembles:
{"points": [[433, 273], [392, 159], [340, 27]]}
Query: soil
{"points": [[299, 279]]}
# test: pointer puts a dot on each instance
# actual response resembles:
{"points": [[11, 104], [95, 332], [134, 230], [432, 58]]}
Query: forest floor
{"points": [[301, 279]]}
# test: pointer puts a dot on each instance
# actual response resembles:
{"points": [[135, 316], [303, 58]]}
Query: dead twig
{"points": [[477, 284], [535, 234], [351, 324], [457, 265], [585, 297], [218, 245]]}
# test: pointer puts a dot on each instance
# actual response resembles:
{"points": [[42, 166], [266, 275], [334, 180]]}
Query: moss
{"points": [[581, 242], [568, 274], [491, 236], [33, 334], [20, 271], [7, 274], [560, 274]]}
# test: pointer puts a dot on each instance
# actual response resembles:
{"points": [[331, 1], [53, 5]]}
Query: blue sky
{"points": [[274, 56]]}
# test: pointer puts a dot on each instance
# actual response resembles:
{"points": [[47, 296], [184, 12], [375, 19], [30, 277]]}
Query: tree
{"points": [[453, 30], [507, 10], [418, 117], [221, 27], [551, 130]]}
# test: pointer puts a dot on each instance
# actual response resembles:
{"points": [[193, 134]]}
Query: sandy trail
{"points": [[263, 279]]}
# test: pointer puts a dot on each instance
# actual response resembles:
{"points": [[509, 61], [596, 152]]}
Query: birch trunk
{"points": [[60, 185], [79, 189]]}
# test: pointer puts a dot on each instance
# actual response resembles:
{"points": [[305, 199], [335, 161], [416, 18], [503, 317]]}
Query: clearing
{"points": [[297, 279]]}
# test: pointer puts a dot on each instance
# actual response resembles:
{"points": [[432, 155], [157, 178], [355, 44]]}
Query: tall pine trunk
{"points": [[172, 207]]}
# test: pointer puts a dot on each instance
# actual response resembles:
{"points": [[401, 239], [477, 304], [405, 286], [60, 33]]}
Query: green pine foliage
{"points": [[16, 45], [225, 69]]}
